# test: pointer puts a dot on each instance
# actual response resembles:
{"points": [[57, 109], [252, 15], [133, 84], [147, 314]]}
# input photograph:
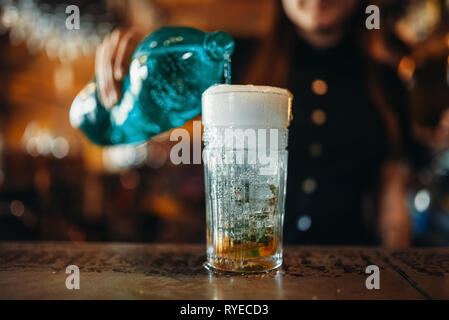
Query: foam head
{"points": [[246, 105]]}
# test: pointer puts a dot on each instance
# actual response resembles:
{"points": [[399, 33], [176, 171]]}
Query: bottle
{"points": [[169, 71]]}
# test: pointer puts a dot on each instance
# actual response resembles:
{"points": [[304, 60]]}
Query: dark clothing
{"points": [[338, 142]]}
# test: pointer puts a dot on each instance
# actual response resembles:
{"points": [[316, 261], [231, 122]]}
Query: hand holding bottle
{"points": [[169, 71], [112, 61]]}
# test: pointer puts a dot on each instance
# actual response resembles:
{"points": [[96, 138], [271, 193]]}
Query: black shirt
{"points": [[337, 145]]}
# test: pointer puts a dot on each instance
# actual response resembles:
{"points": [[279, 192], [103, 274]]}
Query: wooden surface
{"points": [[134, 271]]}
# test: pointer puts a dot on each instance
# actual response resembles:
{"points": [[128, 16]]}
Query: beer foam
{"points": [[246, 105]]}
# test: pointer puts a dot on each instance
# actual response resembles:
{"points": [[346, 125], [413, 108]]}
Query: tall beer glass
{"points": [[245, 161]]}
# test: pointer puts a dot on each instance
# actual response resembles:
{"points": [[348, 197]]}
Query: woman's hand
{"points": [[394, 219], [112, 62]]}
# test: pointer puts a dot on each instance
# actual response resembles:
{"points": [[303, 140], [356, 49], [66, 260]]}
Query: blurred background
{"points": [[55, 185]]}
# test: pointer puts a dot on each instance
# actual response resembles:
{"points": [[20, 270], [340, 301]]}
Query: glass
{"points": [[245, 161]]}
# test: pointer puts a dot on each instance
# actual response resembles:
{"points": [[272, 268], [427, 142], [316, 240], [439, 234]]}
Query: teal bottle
{"points": [[169, 71]]}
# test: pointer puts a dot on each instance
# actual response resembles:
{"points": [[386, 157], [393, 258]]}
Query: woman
{"points": [[345, 163], [345, 153]]}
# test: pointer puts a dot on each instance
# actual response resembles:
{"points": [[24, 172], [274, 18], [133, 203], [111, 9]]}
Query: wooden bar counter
{"points": [[152, 271]]}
